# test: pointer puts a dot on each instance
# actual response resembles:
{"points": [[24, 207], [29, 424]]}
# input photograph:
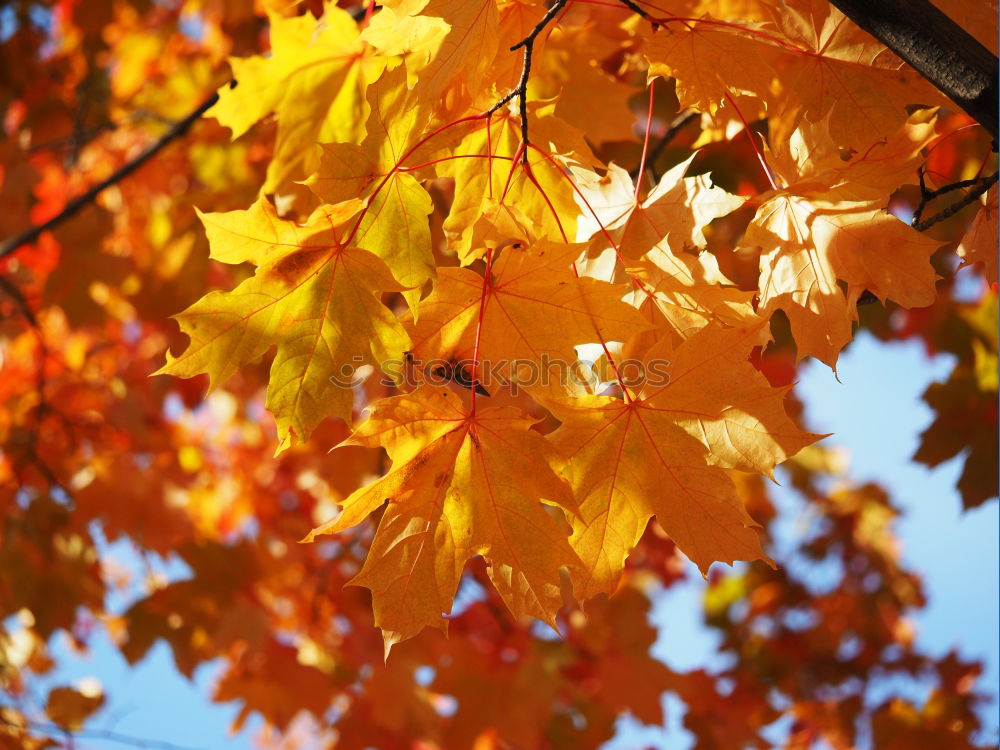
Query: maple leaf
{"points": [[965, 409], [708, 59], [486, 174], [810, 156], [626, 675], [825, 66], [461, 484], [260, 678], [70, 707], [843, 73], [449, 44], [979, 243], [379, 115], [676, 212], [658, 241], [312, 82], [815, 231], [964, 417], [394, 226], [531, 308], [312, 297], [664, 453], [808, 244], [579, 80]]}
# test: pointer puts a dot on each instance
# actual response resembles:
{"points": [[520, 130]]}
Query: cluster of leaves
{"points": [[440, 182], [555, 249]]}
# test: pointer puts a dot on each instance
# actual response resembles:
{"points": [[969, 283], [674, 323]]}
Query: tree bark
{"points": [[937, 48]]}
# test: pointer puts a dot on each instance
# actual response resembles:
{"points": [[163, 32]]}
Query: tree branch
{"points": [[979, 186], [363, 9], [676, 125], [937, 48], [521, 90], [31, 234], [94, 734], [14, 293], [634, 7]]}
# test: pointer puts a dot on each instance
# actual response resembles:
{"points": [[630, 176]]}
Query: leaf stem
{"points": [[645, 141], [474, 377], [675, 127], [753, 143], [607, 235], [611, 361]]}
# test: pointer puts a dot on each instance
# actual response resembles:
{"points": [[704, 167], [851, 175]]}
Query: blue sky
{"points": [[876, 414]]}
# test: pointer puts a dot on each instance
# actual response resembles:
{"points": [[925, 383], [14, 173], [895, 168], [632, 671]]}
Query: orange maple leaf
{"points": [[663, 453], [461, 484]]}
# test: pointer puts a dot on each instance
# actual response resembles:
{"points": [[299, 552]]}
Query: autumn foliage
{"points": [[540, 275]]}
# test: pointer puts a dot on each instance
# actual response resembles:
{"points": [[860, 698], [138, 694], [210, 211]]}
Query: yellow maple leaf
{"points": [[827, 223], [979, 244], [808, 243], [841, 72], [809, 156], [312, 297], [312, 82], [394, 226], [486, 173], [708, 58], [660, 241], [808, 61], [571, 70], [461, 484], [535, 311], [676, 212], [448, 44]]}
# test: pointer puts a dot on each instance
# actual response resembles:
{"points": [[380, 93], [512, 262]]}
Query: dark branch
{"points": [[29, 450], [937, 48], [676, 125], [81, 201], [15, 294], [521, 90], [978, 186], [634, 7], [359, 12]]}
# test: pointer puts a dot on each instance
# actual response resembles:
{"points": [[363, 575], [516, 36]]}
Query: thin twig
{"points": [[675, 126], [87, 134], [96, 734], [521, 90], [978, 185], [31, 449], [636, 9], [14, 293], [84, 136], [81, 201], [363, 10]]}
